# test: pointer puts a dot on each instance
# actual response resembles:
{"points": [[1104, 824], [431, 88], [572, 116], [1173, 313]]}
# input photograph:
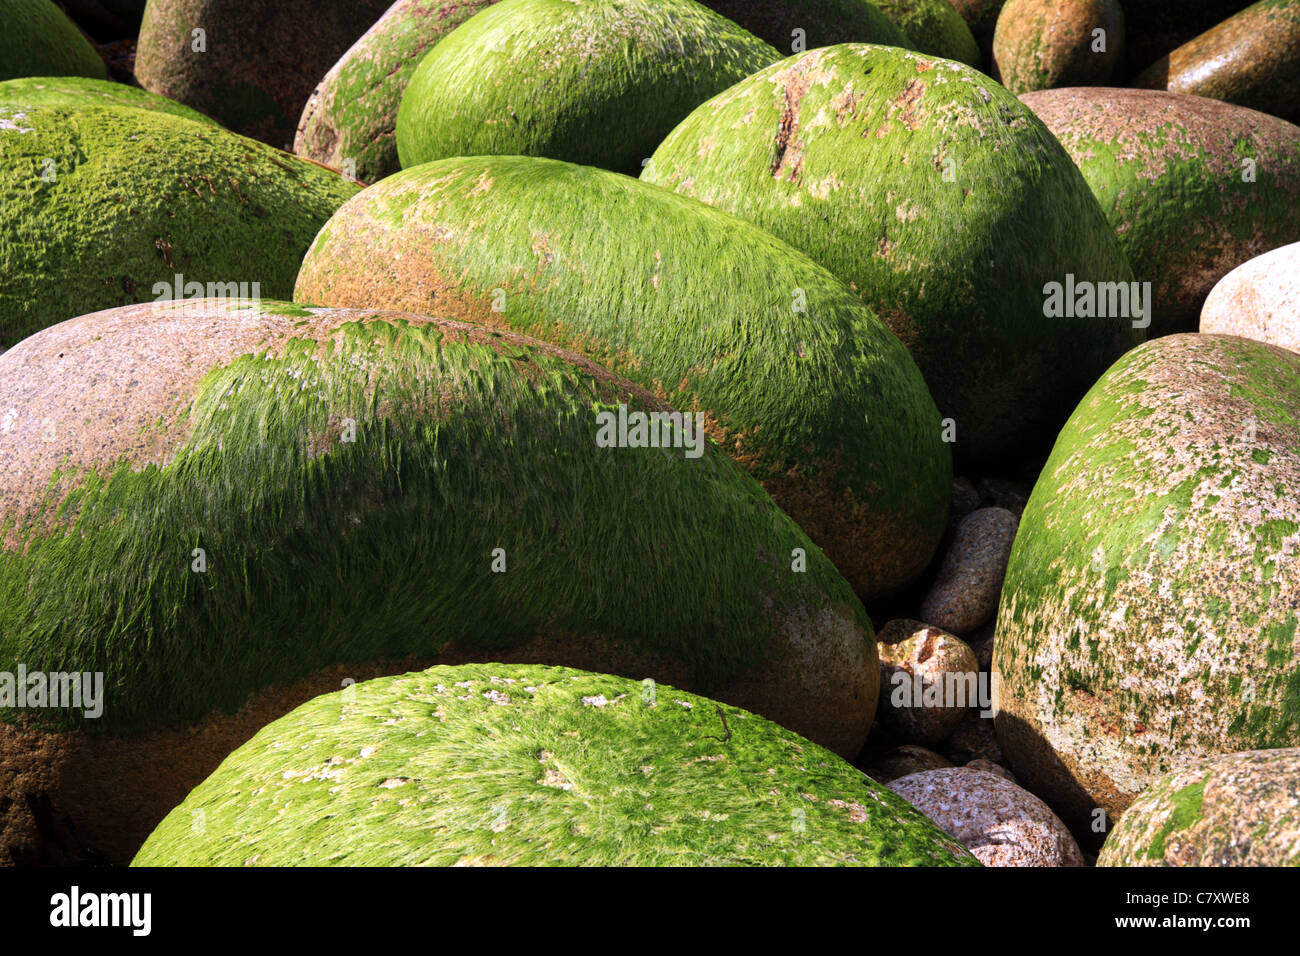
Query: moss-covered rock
{"points": [[596, 82], [1155, 27], [102, 205], [823, 22], [39, 40], [934, 27], [75, 92], [352, 113], [495, 765], [1193, 187], [255, 62], [941, 200], [982, 18], [1040, 44], [288, 489], [1251, 59], [1149, 614], [1241, 809], [798, 381]]}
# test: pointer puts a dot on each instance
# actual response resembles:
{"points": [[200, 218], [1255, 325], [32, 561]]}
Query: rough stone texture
{"points": [[107, 206], [974, 739], [1259, 299], [906, 759], [965, 591], [988, 766], [352, 113], [583, 769], [1251, 59], [934, 27], [1040, 44], [1001, 824], [1149, 614], [798, 381], [937, 659], [823, 22], [320, 550], [871, 159], [596, 83], [1156, 27], [1172, 175], [38, 39], [262, 58], [1241, 809]]}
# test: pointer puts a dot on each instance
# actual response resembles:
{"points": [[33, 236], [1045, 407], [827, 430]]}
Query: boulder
{"points": [[499, 765], [1041, 44], [1251, 59], [249, 64], [289, 498], [798, 381], [920, 182], [107, 206], [927, 680], [350, 121], [1239, 809], [966, 589], [598, 83], [1149, 614], [1193, 187], [1259, 299], [1156, 27], [39, 40], [934, 27], [76, 92], [822, 22]]}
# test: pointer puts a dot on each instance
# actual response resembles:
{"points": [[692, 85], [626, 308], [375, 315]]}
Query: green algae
{"points": [[820, 22], [492, 764], [319, 550], [805, 385], [39, 40], [941, 200], [934, 27], [598, 83], [105, 203], [73, 92]]}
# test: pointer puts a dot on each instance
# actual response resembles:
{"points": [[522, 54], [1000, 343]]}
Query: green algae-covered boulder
{"points": [[75, 92], [227, 508], [942, 201], [1251, 59], [1193, 187], [110, 206], [597, 82], [1241, 809], [793, 25], [250, 64], [1155, 27], [798, 381], [498, 765], [1149, 612], [39, 40], [350, 121], [934, 27], [1041, 44]]}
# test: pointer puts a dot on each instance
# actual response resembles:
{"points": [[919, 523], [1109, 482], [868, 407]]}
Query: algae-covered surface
{"points": [[38, 39], [493, 764], [74, 92]]}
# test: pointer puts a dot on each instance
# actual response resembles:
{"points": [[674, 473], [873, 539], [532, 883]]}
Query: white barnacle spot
{"points": [[369, 751], [597, 701], [553, 778], [394, 782], [498, 698], [685, 703]]}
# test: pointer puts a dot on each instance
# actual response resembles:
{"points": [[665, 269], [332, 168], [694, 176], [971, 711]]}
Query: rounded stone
{"points": [[38, 39], [1149, 614], [812, 23], [254, 63], [927, 680], [1040, 44], [497, 765], [1156, 27], [988, 766], [1001, 824], [906, 759], [1260, 299], [934, 27], [77, 92], [289, 491], [107, 206], [595, 82], [919, 182], [796, 379], [1193, 187], [1239, 809], [966, 589], [350, 120], [981, 17], [1251, 59]]}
